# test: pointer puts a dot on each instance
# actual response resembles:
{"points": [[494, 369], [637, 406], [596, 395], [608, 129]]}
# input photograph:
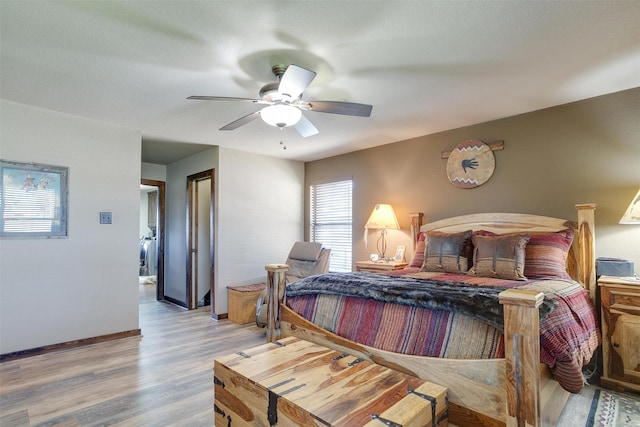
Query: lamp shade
{"points": [[383, 217], [632, 214], [280, 115]]}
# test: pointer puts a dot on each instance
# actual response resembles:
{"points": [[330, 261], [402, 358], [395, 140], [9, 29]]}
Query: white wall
{"points": [[259, 214], [58, 290]]}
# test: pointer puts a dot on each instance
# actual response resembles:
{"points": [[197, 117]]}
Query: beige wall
{"points": [[583, 152]]}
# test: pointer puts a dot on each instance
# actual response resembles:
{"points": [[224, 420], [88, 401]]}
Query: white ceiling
{"points": [[425, 66]]}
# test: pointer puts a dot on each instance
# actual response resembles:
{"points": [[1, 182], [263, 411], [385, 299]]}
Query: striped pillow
{"points": [[418, 255], [546, 255]]}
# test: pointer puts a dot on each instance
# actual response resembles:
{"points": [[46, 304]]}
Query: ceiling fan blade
{"points": [[241, 121], [226, 98], [295, 80], [305, 128], [345, 108]]}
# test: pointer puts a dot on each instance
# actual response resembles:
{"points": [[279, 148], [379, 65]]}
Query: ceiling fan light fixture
{"points": [[281, 115]]}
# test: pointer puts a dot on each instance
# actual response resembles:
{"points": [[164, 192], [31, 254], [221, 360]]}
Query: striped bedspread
{"points": [[568, 334]]}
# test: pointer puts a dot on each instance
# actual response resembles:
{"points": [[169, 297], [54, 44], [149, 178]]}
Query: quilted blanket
{"points": [[394, 313]]}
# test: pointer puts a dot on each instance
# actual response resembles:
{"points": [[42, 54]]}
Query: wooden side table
{"points": [[620, 304], [242, 302], [377, 267]]}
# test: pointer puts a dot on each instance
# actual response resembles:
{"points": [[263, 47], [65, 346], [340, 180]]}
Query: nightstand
{"points": [[620, 304], [377, 267]]}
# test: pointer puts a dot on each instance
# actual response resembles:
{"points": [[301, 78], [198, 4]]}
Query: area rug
{"points": [[613, 410]]}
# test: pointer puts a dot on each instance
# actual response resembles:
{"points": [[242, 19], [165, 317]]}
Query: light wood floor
{"points": [[164, 378]]}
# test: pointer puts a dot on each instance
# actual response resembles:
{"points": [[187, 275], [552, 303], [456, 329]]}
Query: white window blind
{"points": [[331, 221]]}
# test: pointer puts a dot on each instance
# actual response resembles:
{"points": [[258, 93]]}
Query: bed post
{"points": [[276, 282], [587, 248], [417, 219], [522, 356]]}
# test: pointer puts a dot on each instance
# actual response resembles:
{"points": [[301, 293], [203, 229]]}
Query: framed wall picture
{"points": [[399, 254], [33, 200]]}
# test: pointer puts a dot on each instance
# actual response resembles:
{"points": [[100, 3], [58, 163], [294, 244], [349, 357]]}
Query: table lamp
{"points": [[382, 218]]}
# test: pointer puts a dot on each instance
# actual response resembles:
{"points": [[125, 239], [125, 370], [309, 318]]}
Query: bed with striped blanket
{"points": [[416, 314], [521, 375]]}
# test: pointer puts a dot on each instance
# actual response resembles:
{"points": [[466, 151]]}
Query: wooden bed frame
{"points": [[515, 391]]}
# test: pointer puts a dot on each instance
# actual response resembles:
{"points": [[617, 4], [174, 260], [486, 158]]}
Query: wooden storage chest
{"points": [[242, 302], [293, 382]]}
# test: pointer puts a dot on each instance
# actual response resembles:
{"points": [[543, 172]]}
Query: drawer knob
{"points": [[616, 345]]}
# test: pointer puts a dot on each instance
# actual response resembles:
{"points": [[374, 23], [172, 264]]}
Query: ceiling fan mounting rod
{"points": [[278, 70]]}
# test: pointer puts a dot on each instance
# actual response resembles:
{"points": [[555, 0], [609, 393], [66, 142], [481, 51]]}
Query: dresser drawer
{"points": [[623, 300]]}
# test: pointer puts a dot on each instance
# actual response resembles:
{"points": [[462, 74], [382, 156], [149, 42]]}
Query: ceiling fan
{"points": [[284, 103]]}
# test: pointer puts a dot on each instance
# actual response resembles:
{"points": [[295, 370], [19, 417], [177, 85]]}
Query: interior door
{"points": [[200, 285]]}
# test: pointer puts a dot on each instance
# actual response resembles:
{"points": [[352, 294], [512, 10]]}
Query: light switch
{"points": [[105, 217]]}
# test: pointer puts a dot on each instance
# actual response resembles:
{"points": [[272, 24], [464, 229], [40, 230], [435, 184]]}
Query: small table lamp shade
{"points": [[383, 217]]}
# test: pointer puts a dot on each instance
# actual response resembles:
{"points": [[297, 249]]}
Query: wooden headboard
{"points": [[581, 260]]}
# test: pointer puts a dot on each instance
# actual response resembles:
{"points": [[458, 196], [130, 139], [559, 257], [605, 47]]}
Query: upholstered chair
{"points": [[305, 259]]}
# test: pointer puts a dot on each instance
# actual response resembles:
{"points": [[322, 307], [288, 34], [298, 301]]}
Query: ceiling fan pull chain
{"points": [[284, 146]]}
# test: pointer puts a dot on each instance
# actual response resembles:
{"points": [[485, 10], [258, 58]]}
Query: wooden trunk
{"points": [[293, 382]]}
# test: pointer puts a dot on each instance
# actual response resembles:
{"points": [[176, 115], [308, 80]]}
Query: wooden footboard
{"points": [[494, 392], [476, 390]]}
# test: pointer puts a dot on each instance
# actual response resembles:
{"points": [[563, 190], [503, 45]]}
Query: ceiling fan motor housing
{"points": [[269, 92]]}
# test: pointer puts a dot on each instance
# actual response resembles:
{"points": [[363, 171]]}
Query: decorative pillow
{"points": [[501, 256], [546, 255], [418, 255], [447, 252]]}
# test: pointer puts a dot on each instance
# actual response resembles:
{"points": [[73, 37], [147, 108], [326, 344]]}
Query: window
{"points": [[331, 221], [33, 200]]}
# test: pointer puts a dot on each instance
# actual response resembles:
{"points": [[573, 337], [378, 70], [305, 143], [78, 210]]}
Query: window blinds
{"points": [[331, 221]]}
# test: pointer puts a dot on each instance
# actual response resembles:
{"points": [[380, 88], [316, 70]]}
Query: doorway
{"points": [[153, 238], [200, 233]]}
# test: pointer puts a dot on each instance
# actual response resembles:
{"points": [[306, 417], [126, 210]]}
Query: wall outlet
{"points": [[105, 217]]}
